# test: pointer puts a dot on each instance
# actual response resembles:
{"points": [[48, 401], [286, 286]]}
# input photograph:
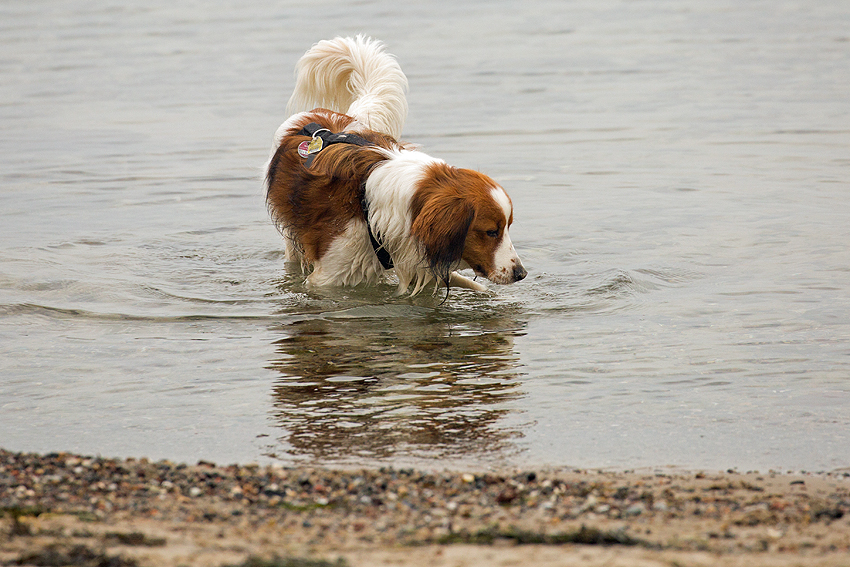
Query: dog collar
{"points": [[320, 138]]}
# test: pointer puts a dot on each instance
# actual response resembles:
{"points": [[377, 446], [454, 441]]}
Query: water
{"points": [[680, 175]]}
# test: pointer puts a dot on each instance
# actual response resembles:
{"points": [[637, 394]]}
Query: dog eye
{"points": [[493, 233]]}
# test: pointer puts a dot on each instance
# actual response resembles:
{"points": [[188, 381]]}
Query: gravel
{"points": [[342, 509]]}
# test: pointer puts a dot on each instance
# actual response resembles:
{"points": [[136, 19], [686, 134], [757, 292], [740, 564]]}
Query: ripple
{"points": [[378, 311], [618, 284], [31, 309]]}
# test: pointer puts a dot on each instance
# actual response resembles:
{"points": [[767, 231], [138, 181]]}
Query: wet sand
{"points": [[63, 509]]}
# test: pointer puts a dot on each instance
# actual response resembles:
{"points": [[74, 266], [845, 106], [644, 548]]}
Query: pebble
{"points": [[636, 509]]}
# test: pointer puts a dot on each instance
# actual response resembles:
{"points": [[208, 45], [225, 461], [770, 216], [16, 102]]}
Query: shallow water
{"points": [[680, 176]]}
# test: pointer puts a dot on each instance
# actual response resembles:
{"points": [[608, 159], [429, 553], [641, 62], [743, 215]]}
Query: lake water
{"points": [[680, 172]]}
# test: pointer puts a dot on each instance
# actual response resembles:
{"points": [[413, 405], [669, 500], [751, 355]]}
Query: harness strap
{"points": [[382, 253], [321, 138]]}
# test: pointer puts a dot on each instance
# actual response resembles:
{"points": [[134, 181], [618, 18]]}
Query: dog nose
{"points": [[519, 272]]}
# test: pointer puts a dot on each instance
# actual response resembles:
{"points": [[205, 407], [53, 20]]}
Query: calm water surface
{"points": [[681, 179]]}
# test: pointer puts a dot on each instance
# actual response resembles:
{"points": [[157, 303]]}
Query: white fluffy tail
{"points": [[355, 77]]}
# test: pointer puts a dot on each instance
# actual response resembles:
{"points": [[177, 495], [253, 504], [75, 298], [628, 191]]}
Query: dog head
{"points": [[462, 218]]}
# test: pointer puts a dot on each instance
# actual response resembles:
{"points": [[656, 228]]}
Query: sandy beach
{"points": [[64, 509]]}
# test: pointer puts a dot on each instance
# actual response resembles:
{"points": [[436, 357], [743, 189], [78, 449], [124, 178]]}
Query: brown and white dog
{"points": [[352, 202]]}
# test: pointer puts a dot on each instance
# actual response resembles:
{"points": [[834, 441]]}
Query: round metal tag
{"points": [[303, 149]]}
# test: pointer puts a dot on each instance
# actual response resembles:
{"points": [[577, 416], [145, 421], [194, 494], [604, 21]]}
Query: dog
{"points": [[353, 203]]}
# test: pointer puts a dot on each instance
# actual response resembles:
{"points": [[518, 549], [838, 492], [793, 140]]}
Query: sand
{"points": [[63, 509]]}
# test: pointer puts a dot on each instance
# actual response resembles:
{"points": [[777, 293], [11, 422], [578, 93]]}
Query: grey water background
{"points": [[680, 174]]}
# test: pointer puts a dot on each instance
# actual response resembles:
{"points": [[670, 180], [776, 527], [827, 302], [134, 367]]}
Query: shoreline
{"points": [[136, 512]]}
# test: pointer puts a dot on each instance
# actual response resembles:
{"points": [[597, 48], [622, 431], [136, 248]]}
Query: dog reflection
{"points": [[369, 389]]}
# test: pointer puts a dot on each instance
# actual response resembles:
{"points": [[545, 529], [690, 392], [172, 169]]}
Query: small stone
{"points": [[507, 495], [591, 501], [635, 509]]}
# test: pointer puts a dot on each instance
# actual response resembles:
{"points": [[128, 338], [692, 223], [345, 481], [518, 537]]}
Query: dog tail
{"points": [[355, 77]]}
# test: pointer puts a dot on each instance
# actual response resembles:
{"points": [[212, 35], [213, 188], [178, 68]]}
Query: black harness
{"points": [[383, 255], [321, 138]]}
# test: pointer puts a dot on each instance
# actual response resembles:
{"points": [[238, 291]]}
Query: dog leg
{"points": [[457, 280]]}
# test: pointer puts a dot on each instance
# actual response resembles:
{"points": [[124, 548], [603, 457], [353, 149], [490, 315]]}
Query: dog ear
{"points": [[441, 225]]}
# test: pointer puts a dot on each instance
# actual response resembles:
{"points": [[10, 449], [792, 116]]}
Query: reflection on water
{"points": [[399, 381]]}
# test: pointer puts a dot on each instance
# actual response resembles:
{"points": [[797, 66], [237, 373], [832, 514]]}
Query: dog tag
{"points": [[303, 149], [315, 145]]}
